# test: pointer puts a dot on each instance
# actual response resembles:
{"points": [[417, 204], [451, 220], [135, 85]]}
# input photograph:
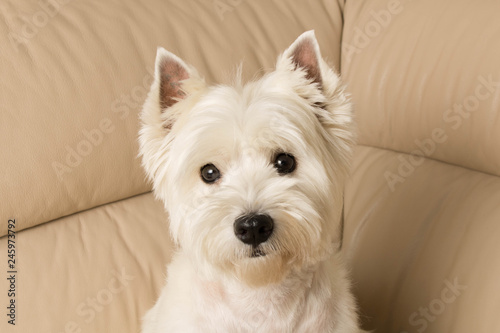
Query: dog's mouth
{"points": [[257, 252]]}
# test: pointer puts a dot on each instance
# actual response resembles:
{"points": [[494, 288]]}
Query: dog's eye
{"points": [[209, 173], [284, 163]]}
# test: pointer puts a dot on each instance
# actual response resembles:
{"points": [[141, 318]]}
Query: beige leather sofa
{"points": [[422, 208]]}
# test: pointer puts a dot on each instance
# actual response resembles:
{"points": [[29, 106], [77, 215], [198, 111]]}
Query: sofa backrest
{"points": [[426, 78]]}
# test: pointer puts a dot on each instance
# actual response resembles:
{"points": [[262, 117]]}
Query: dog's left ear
{"points": [[304, 54], [321, 86]]}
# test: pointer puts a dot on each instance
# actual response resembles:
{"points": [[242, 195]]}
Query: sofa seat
{"points": [[98, 270], [420, 262]]}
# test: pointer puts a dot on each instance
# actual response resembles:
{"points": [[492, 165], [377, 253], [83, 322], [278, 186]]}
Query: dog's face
{"points": [[251, 175]]}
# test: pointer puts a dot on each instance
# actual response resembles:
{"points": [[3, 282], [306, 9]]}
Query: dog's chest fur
{"points": [[308, 301], [274, 308]]}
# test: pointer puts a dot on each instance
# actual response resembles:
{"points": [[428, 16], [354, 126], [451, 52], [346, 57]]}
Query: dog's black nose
{"points": [[253, 229]]}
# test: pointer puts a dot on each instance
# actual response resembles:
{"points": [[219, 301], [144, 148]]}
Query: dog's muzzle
{"points": [[253, 229]]}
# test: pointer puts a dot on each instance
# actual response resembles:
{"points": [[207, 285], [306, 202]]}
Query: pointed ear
{"points": [[173, 82], [170, 71], [331, 103], [304, 54]]}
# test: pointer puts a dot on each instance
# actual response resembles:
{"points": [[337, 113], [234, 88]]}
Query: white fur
{"points": [[213, 283]]}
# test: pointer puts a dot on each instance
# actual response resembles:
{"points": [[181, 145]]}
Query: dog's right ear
{"points": [[170, 71], [173, 82]]}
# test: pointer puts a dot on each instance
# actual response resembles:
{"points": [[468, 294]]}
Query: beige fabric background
{"points": [[417, 69], [417, 72]]}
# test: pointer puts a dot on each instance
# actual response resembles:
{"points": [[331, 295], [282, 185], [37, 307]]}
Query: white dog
{"points": [[252, 177]]}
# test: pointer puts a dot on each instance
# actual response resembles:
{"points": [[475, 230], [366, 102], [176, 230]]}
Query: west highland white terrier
{"points": [[252, 177]]}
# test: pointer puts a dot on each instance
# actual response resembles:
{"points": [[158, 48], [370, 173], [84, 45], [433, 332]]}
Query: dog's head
{"points": [[251, 175]]}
